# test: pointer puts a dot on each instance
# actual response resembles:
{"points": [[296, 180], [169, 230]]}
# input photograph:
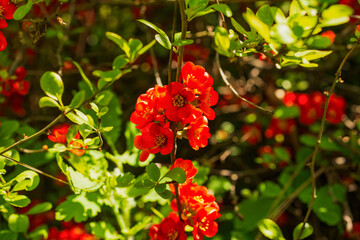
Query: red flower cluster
{"points": [[58, 135], [6, 12], [312, 106], [198, 209], [14, 88], [279, 126], [188, 104], [71, 231]]}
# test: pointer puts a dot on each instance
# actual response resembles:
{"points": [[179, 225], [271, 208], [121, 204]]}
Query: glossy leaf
{"points": [[176, 174], [40, 208], [153, 171], [336, 14], [21, 11], [122, 43], [52, 85], [161, 37], [270, 229], [308, 230], [18, 223], [48, 102], [78, 99]]}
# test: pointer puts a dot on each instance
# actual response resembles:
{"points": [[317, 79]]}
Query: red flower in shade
{"points": [[279, 126], [154, 138], [252, 133], [170, 228], [77, 147], [195, 77], [336, 109], [176, 101], [329, 34], [187, 166], [198, 133], [205, 224], [3, 42], [310, 107]]}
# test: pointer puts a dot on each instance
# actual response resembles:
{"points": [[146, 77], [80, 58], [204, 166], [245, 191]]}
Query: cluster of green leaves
{"points": [[287, 40]]}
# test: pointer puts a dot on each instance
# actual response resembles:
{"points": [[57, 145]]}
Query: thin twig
{"points": [[322, 127], [183, 35], [172, 39], [34, 169], [224, 78]]}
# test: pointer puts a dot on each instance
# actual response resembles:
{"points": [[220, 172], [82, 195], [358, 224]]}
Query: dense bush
{"points": [[179, 119]]}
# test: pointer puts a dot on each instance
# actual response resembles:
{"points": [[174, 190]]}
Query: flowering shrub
{"points": [[253, 107]]}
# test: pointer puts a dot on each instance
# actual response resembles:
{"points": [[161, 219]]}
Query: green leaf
{"points": [[17, 200], [262, 29], [71, 133], [336, 14], [144, 183], [319, 42], [196, 3], [312, 54], [104, 230], [153, 171], [182, 42], [282, 154], [108, 76], [308, 140], [161, 37], [22, 11], [48, 102], [78, 99], [122, 43], [120, 62], [146, 47], [52, 85], [222, 39], [269, 189], [102, 112], [167, 194], [239, 28], [135, 46], [223, 8], [283, 112], [8, 128], [78, 207], [282, 33], [176, 174], [8, 235], [265, 15], [40, 208], [79, 181], [270, 229], [125, 180], [308, 230], [85, 78], [18, 223], [325, 208], [27, 180], [160, 188], [163, 41], [74, 118]]}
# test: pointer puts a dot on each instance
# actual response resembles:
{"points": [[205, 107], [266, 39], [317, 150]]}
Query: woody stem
{"points": [[183, 35]]}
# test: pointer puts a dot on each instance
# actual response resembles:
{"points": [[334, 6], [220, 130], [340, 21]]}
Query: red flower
{"points": [[6, 9], [77, 147], [58, 133], [146, 107], [176, 101], [153, 139], [195, 77], [329, 34], [205, 224], [252, 133], [187, 166], [170, 228], [208, 98], [353, 4], [336, 109], [3, 42], [279, 126], [198, 133]]}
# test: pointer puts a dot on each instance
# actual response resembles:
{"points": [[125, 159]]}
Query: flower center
{"points": [[204, 225], [160, 140], [172, 235], [1, 11], [178, 101], [199, 199]]}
